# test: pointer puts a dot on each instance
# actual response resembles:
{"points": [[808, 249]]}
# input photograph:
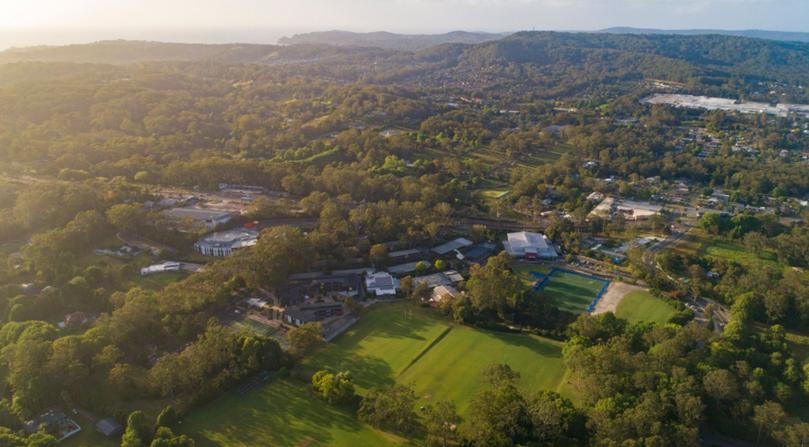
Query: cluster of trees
{"points": [[150, 343], [501, 414], [495, 294], [334, 388], [771, 281], [660, 384], [139, 433]]}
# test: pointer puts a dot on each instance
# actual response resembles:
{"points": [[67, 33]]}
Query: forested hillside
{"points": [[387, 40], [551, 64]]}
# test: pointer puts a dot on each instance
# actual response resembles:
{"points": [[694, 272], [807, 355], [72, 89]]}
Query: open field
{"points": [[799, 344], [158, 280], [279, 413], [89, 437], [452, 369], [494, 193], [385, 340], [571, 292], [734, 252], [402, 343], [613, 296], [640, 305], [393, 342]]}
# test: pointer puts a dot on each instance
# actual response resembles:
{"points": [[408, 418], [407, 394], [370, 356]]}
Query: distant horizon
{"points": [[42, 36]]}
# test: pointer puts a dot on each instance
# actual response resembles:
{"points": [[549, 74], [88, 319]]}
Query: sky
{"points": [[47, 21]]}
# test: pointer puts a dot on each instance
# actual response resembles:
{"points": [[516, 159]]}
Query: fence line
{"points": [[545, 278]]}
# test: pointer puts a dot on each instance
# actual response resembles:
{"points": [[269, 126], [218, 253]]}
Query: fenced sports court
{"points": [[571, 291]]}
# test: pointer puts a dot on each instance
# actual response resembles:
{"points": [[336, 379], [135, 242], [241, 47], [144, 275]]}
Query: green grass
{"points": [[524, 272], [640, 305], [89, 437], [158, 281], [494, 193], [799, 344], [392, 343], [279, 413], [381, 344], [692, 244], [729, 251], [570, 292], [452, 369], [439, 360]]}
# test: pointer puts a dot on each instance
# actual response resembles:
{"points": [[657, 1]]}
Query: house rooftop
{"points": [[404, 253], [109, 427], [446, 278], [452, 245], [403, 268]]}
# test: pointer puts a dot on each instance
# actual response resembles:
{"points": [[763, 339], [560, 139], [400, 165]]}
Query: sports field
{"points": [[398, 342], [392, 342], [641, 305], [451, 370], [279, 413], [570, 291]]}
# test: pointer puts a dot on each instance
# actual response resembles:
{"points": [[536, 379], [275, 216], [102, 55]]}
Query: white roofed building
{"points": [[168, 266], [223, 243], [381, 284], [529, 245]]}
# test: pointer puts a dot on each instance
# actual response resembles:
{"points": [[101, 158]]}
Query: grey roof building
{"points": [[109, 427], [209, 218]]}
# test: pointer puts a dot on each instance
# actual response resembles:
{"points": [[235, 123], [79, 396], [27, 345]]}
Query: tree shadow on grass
{"points": [[366, 371], [389, 320], [540, 347], [280, 413]]}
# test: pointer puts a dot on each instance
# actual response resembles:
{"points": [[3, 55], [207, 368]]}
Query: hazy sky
{"points": [[108, 17]]}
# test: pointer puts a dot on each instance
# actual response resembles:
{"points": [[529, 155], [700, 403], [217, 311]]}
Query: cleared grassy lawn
{"points": [[158, 280], [89, 437], [279, 413], [494, 193], [399, 342], [571, 292], [799, 344], [733, 252], [641, 305], [452, 369], [392, 342], [385, 340]]}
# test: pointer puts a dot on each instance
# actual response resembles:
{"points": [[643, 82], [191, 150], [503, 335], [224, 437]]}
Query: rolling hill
{"points": [[391, 41]]}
